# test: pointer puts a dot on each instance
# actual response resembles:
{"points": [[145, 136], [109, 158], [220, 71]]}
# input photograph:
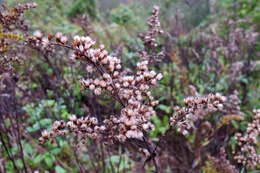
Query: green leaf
{"points": [[9, 165], [166, 109], [243, 125], [56, 151], [59, 169], [28, 148], [34, 85], [115, 159], [34, 128], [235, 124], [38, 159], [255, 171], [48, 159], [19, 163], [45, 122], [156, 121], [48, 102]]}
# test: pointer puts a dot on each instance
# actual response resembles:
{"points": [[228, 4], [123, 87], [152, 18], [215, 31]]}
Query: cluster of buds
{"points": [[84, 127], [196, 108], [10, 16], [247, 154], [222, 164], [239, 35], [60, 38], [232, 105], [130, 89], [44, 44], [10, 22], [40, 43], [8, 50], [96, 57], [149, 38], [6, 61]]}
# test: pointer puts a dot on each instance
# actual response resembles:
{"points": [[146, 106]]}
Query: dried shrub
{"points": [[247, 152]]}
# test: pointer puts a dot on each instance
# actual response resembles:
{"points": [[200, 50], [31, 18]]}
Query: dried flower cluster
{"points": [[234, 48], [6, 63], [222, 164], [196, 108], [10, 21], [232, 105], [11, 16], [131, 90], [247, 154], [85, 127], [41, 43], [239, 36], [149, 37], [9, 55]]}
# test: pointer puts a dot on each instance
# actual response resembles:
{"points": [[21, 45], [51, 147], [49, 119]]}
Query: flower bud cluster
{"points": [[130, 89], [196, 108], [45, 44], [41, 43], [247, 154], [109, 67], [222, 164], [96, 57], [84, 127], [149, 38], [232, 105], [5, 63], [12, 15], [11, 22]]}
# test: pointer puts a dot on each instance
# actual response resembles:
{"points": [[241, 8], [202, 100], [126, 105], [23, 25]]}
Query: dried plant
{"points": [[10, 109], [197, 108], [149, 38], [10, 21], [247, 153], [222, 164], [12, 16], [130, 89]]}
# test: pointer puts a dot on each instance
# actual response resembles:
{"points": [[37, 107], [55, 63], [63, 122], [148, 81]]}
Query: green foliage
{"points": [[120, 163], [80, 7], [243, 8], [48, 159], [37, 112], [50, 16], [122, 15], [59, 169], [166, 109], [161, 126]]}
